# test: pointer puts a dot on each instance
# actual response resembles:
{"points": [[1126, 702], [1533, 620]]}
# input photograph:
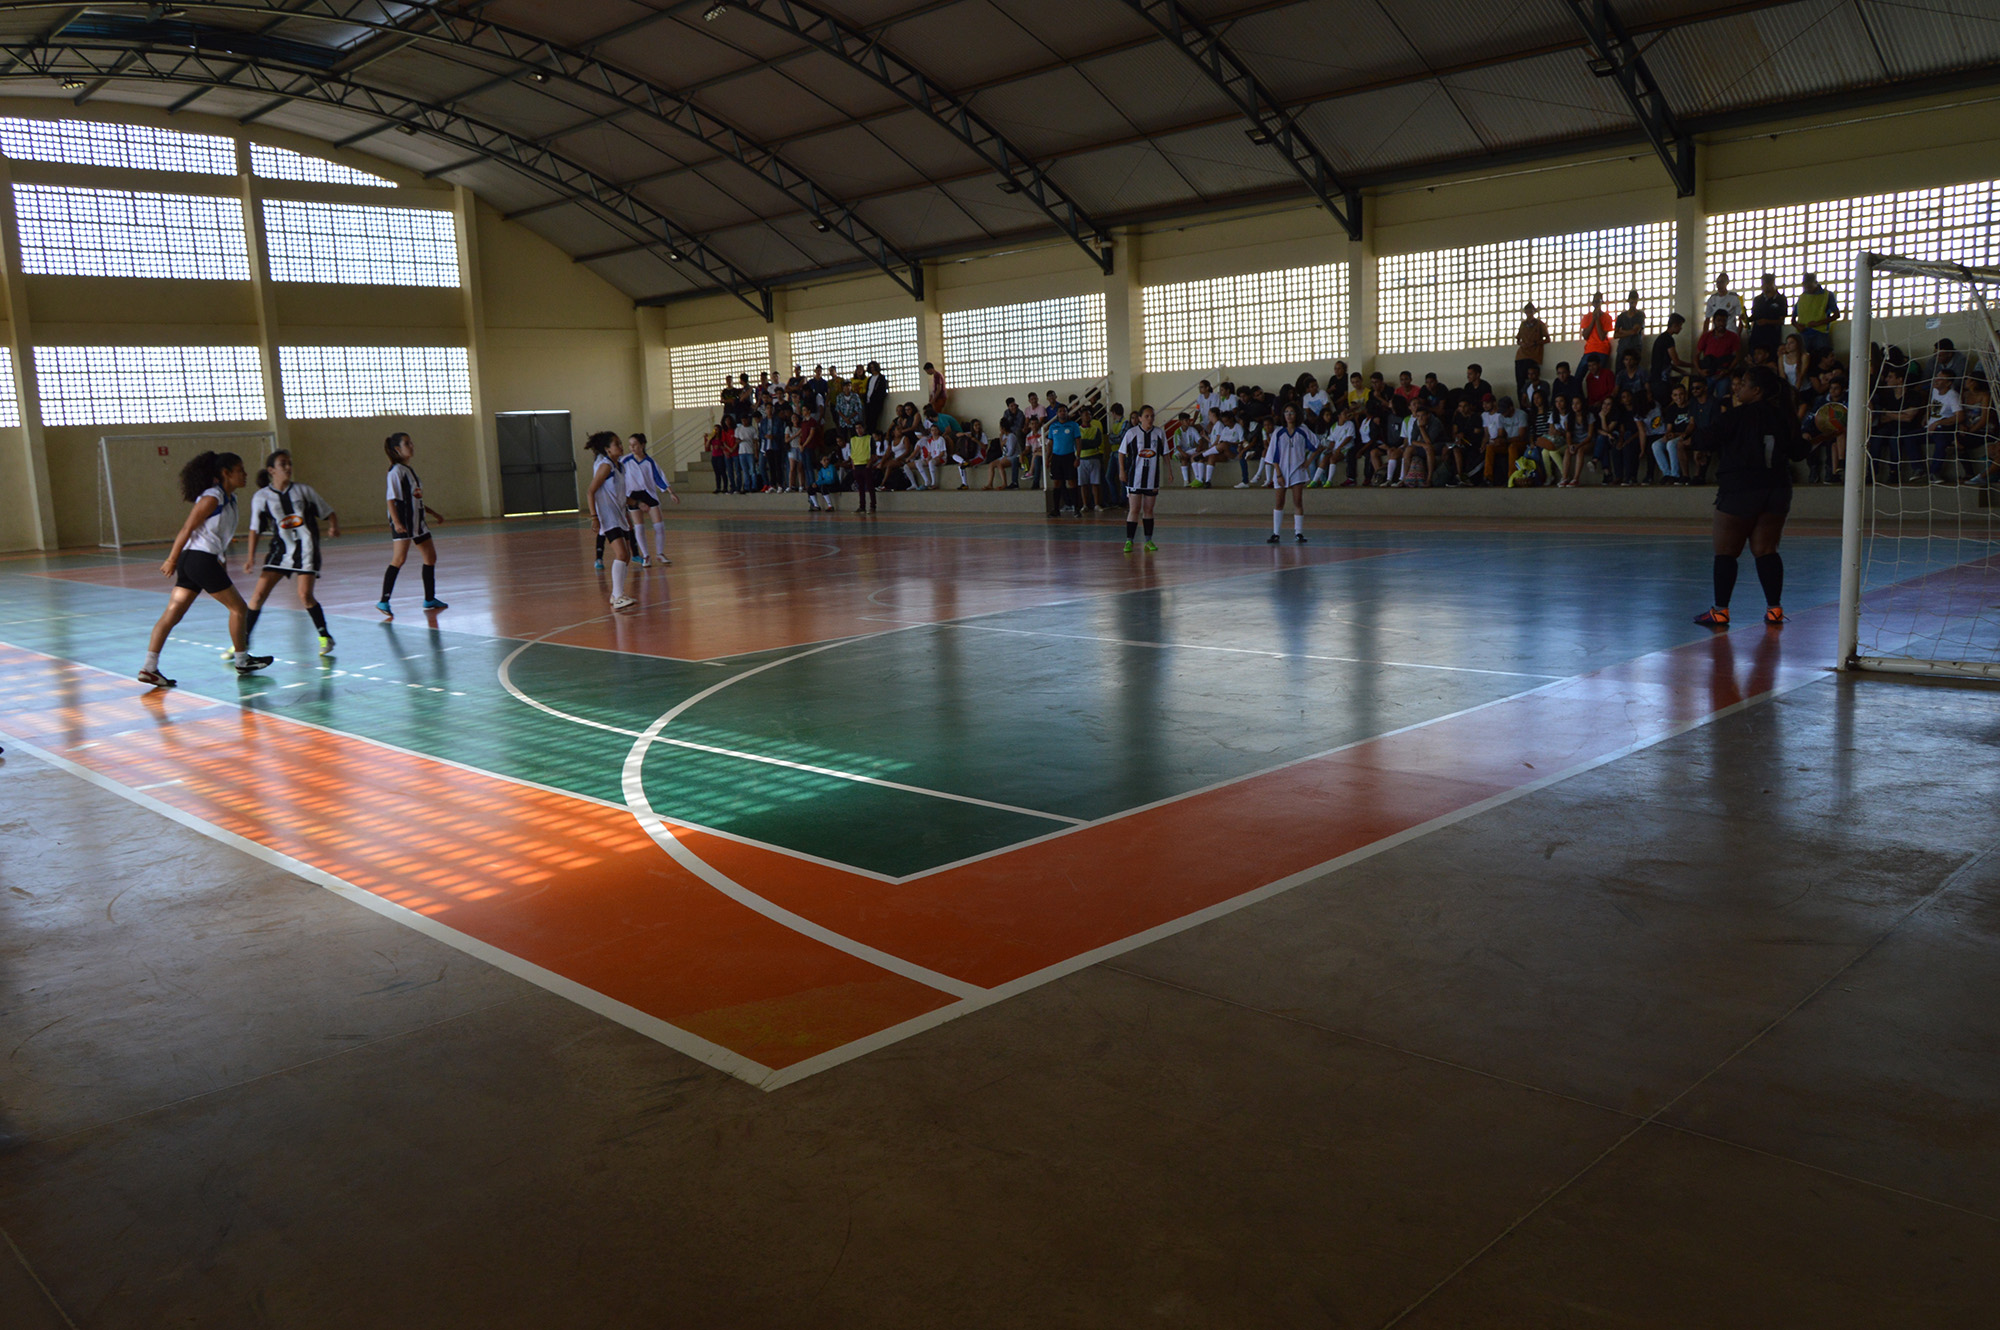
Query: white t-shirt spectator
{"points": [[1515, 426], [1317, 400], [1494, 423], [1341, 436], [1227, 434], [1721, 301], [1944, 405], [746, 441]]}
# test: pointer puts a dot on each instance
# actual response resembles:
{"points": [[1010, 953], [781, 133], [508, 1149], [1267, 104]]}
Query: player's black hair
{"points": [[390, 444], [264, 472], [206, 469], [640, 439], [600, 442]]}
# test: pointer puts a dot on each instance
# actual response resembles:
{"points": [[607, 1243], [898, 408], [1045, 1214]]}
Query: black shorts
{"points": [[1145, 493], [617, 533], [1062, 468], [280, 571], [1750, 504], [641, 499], [198, 570], [424, 538]]}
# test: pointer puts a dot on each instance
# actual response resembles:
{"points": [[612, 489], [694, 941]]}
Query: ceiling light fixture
{"points": [[537, 76], [72, 84], [406, 129], [1010, 187], [1257, 134], [674, 256], [714, 12], [1602, 67], [821, 225]]}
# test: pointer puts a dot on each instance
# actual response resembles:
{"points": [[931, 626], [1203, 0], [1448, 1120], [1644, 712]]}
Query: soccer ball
{"points": [[1830, 419]]}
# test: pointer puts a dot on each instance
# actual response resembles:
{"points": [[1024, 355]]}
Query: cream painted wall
{"points": [[556, 337]]}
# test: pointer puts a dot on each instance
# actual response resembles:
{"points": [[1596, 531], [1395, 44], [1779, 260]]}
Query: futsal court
{"points": [[836, 782]]}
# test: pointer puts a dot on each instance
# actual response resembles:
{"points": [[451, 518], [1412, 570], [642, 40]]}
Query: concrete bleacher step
{"points": [[1587, 503]]}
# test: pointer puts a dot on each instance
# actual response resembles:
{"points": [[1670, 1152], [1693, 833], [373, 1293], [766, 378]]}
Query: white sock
{"points": [[638, 541], [1394, 467], [617, 579], [659, 536], [1207, 472], [242, 658], [1277, 520], [1298, 522], [961, 477], [152, 660]]}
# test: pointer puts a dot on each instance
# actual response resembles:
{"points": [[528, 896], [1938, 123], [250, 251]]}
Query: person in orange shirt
{"points": [[1596, 330]]}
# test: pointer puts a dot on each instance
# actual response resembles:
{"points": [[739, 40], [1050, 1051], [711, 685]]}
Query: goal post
{"points": [[138, 480], [1920, 536]]}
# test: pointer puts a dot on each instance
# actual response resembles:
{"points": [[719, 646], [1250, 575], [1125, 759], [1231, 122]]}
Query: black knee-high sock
{"points": [[1131, 530], [318, 617], [1725, 579], [600, 547], [250, 623], [430, 582], [1147, 522], [1771, 572], [389, 580]]}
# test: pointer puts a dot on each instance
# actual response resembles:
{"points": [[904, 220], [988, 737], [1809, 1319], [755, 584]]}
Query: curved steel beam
{"points": [[1617, 58], [1270, 122], [1018, 172], [536, 64], [91, 57]]}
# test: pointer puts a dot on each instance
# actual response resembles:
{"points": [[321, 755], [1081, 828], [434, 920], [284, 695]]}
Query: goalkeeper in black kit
{"points": [[1755, 443]]}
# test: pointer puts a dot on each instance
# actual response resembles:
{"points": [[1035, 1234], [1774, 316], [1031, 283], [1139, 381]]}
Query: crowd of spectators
{"points": [[1639, 407]]}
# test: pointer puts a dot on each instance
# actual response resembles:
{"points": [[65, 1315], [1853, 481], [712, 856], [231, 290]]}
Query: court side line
{"points": [[1084, 960], [681, 1041], [1240, 651], [664, 836], [507, 682], [279, 715]]}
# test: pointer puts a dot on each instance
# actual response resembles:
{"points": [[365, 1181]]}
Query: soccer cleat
{"points": [[622, 602], [382, 608], [661, 561], [1299, 536], [228, 656], [433, 603], [1271, 539], [1774, 616], [1128, 550], [600, 565], [325, 645], [1151, 548], [640, 561], [155, 679], [251, 664], [1714, 617]]}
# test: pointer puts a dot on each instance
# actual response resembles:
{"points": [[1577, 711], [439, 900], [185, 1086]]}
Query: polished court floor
{"points": [[1426, 923]]}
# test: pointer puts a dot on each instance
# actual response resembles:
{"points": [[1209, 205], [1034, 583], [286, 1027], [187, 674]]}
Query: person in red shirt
{"points": [[1596, 330], [1718, 352], [1598, 384], [721, 453]]}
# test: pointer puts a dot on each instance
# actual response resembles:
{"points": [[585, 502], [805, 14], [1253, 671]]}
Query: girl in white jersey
{"points": [[611, 509], [196, 564], [1290, 456], [1142, 456], [291, 512], [644, 484], [407, 524]]}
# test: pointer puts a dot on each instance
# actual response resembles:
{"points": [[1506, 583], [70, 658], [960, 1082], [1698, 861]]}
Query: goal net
{"points": [[1920, 575], [139, 480]]}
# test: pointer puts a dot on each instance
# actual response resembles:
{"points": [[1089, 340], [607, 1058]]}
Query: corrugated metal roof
{"points": [[1124, 120]]}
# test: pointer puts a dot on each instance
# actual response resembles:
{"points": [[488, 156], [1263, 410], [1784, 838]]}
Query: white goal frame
{"points": [[1856, 496], [108, 534]]}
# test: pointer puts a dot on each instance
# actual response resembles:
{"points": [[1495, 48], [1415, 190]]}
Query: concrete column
{"points": [[779, 335], [263, 296], [472, 304], [1125, 322], [930, 335], [1692, 278], [39, 502], [1362, 306]]}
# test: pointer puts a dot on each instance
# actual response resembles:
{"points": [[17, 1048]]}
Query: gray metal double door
{"points": [[537, 462]]}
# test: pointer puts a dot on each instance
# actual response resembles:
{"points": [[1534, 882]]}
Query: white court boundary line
{"points": [[681, 1041], [513, 690]]}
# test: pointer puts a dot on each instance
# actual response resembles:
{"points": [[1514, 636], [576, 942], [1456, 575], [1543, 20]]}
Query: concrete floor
{"points": [[1704, 1037]]}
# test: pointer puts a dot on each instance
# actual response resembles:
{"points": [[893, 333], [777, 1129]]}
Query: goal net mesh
{"points": [[1921, 592], [139, 481]]}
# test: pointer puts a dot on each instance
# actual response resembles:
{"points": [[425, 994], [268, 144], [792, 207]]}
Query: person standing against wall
{"points": [[1630, 330], [1813, 315], [1530, 342], [1595, 329]]}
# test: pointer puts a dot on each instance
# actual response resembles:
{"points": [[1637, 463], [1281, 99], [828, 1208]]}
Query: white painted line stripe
{"points": [[632, 1018], [663, 835], [883, 1038], [1238, 651], [514, 690]]}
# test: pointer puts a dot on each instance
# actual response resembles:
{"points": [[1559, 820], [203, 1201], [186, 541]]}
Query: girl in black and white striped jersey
{"points": [[1141, 457], [407, 524], [291, 512], [209, 482]]}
